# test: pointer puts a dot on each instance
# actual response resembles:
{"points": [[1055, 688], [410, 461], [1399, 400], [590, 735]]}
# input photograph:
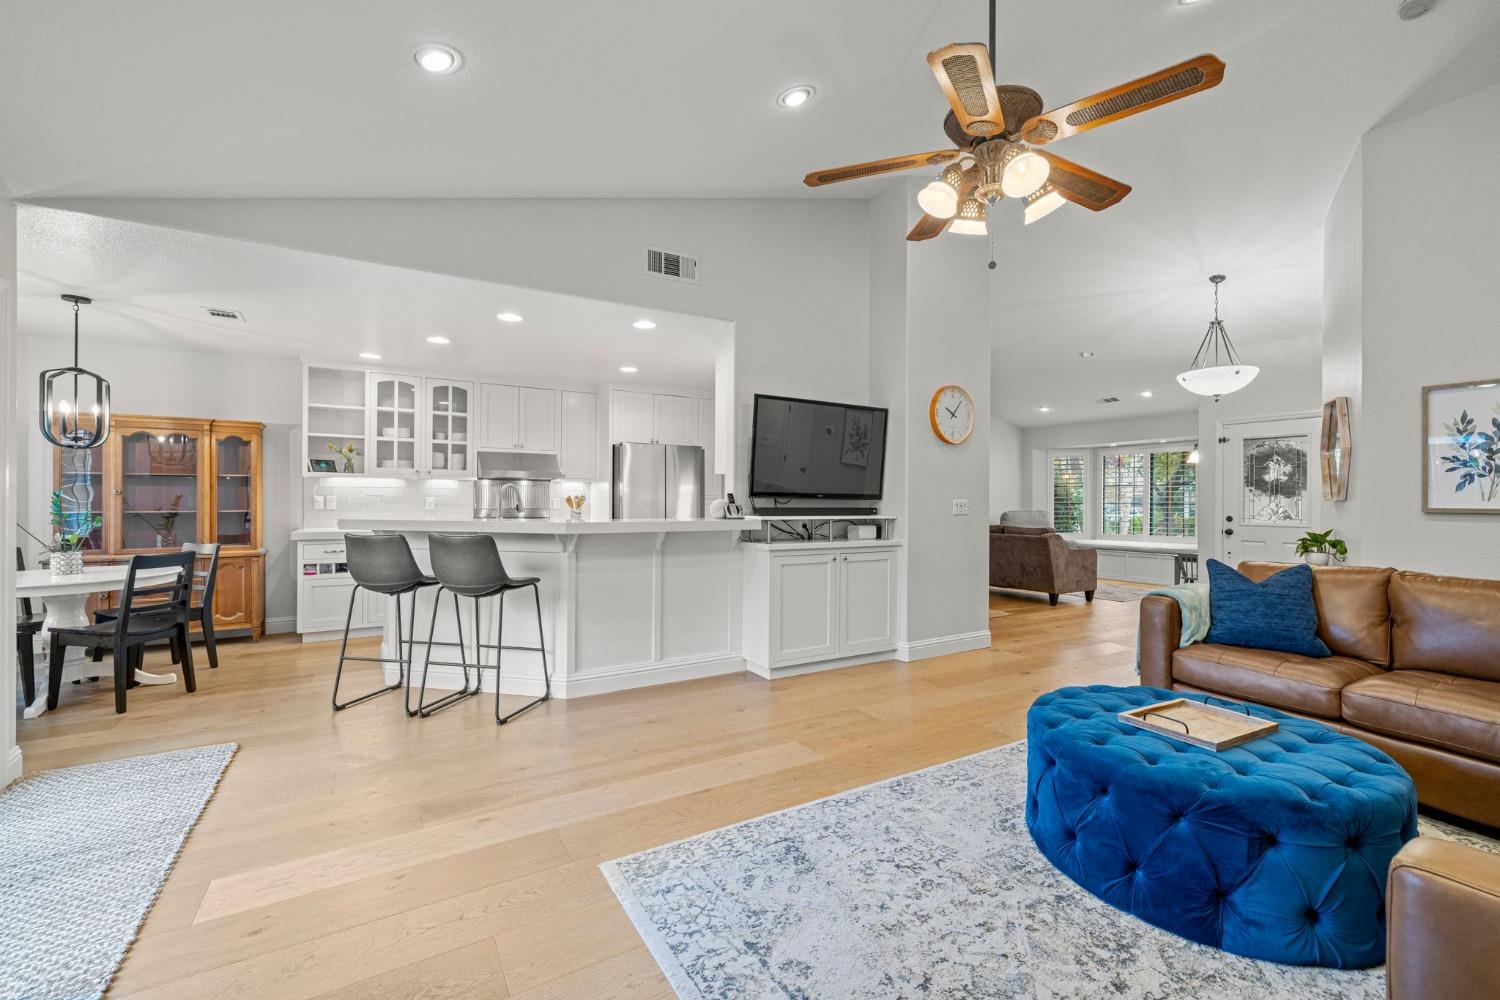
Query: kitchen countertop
{"points": [[318, 535], [541, 526]]}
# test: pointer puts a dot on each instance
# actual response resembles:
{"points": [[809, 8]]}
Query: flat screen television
{"points": [[816, 450]]}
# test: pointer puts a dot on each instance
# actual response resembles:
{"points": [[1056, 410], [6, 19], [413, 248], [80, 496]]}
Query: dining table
{"points": [[65, 598]]}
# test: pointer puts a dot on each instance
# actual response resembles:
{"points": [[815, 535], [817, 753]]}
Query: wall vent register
{"points": [[671, 264], [233, 314]]}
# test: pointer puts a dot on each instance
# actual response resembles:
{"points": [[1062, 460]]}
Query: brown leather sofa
{"points": [[1415, 672], [1443, 913], [1024, 558]]}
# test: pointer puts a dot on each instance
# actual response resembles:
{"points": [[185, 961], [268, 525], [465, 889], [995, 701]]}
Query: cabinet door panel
{"points": [[676, 420], [632, 416], [538, 410], [449, 419], [578, 443], [867, 602], [375, 608], [803, 608], [396, 424], [324, 603], [501, 415], [232, 593]]}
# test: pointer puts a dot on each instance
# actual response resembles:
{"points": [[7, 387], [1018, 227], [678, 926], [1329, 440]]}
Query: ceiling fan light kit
{"points": [[1217, 369], [988, 123], [971, 220]]}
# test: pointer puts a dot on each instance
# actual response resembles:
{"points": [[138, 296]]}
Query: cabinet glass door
{"points": [[80, 480], [395, 427], [159, 480], [449, 408], [235, 493]]}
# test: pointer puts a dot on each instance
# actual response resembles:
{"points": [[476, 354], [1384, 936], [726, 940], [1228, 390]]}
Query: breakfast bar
{"points": [[625, 603]]}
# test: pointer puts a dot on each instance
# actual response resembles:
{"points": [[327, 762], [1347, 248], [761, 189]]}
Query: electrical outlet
{"points": [[431, 503], [960, 507], [333, 503], [318, 503]]}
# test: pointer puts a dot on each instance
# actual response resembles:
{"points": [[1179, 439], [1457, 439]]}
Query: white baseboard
{"points": [[925, 649], [527, 680], [12, 766], [281, 626], [798, 669], [334, 635]]}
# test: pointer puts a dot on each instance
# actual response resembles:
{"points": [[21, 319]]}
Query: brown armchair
{"points": [[1040, 559], [1442, 911]]}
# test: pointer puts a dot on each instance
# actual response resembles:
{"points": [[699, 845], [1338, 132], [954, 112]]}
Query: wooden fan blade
{"points": [[889, 165], [1082, 186], [963, 71], [1111, 105], [927, 227]]}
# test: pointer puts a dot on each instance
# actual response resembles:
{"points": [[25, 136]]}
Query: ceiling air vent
{"points": [[224, 313], [1108, 399], [670, 264]]}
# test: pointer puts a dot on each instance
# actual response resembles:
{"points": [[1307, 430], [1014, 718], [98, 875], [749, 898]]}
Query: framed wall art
{"points": [[1337, 449], [1461, 448]]}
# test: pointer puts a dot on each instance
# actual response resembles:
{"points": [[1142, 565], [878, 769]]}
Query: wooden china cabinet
{"points": [[159, 482]]}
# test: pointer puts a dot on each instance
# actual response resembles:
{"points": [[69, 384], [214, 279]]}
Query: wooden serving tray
{"points": [[1201, 725]]}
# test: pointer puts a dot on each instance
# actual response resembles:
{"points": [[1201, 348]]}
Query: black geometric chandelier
{"points": [[69, 395]]}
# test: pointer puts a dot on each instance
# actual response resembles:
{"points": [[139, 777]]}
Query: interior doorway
{"points": [[1269, 487]]}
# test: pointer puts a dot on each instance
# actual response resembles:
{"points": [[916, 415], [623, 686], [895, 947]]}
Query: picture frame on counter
{"points": [[322, 465]]}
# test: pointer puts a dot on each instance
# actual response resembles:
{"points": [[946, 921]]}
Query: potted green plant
{"points": [[1318, 548], [70, 530]]}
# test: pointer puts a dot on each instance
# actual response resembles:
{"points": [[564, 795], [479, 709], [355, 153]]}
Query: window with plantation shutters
{"points": [[1174, 495], [1122, 493], [1067, 493]]}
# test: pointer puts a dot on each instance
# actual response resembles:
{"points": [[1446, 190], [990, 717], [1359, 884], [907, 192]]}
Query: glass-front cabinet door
{"points": [[80, 480], [161, 486], [450, 412], [236, 492], [395, 423]]}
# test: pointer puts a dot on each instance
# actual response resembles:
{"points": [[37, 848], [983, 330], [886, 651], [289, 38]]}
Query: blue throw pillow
{"points": [[1277, 613]]}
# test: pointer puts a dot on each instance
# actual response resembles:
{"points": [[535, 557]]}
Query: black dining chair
{"points": [[148, 612], [1185, 568], [28, 624], [201, 611]]}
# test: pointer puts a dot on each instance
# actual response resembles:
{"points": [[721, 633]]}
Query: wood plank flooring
{"points": [[366, 855]]}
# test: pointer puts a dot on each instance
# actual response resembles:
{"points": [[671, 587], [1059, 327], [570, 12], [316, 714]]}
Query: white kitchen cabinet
{"points": [[518, 418], [808, 603], [578, 436], [396, 425], [322, 603], [632, 416], [448, 449], [676, 419]]}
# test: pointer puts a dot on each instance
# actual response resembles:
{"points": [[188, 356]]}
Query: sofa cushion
{"points": [[1448, 624], [1275, 613], [1456, 713], [1026, 519], [1282, 680], [1354, 607]]}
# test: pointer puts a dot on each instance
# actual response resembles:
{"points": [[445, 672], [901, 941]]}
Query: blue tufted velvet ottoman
{"points": [[1275, 849]]}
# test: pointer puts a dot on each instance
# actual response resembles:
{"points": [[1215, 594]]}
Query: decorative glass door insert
{"points": [[1275, 481], [80, 480], [159, 478], [234, 490]]}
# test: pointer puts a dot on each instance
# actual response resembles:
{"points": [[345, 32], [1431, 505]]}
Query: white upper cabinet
{"points": [[632, 416], [518, 418], [395, 423], [578, 440], [450, 419], [676, 420]]}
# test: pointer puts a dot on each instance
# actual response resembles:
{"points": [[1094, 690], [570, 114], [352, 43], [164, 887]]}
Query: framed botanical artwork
{"points": [[1461, 448]]}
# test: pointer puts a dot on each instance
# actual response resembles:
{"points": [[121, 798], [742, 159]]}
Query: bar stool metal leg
{"points": [[424, 708], [500, 646], [344, 655]]}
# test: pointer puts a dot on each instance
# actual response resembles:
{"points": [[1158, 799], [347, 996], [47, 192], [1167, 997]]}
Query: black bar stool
{"points": [[382, 564], [469, 565]]}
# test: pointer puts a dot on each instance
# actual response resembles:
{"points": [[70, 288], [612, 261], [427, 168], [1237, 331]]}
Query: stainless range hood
{"points": [[515, 484]]}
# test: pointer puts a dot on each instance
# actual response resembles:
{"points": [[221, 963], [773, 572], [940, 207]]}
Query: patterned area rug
{"points": [[85, 851], [1123, 595], [924, 885]]}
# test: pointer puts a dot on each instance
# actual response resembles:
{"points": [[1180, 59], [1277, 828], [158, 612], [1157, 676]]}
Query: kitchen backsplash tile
{"points": [[408, 498]]}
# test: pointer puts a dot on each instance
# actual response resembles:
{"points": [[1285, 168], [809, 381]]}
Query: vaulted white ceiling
{"points": [[657, 98]]}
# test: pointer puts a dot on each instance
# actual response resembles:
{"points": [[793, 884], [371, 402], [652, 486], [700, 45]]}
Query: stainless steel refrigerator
{"points": [[657, 481]]}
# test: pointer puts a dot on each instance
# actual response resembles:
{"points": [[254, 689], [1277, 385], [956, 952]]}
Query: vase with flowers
{"points": [[70, 532], [348, 452]]}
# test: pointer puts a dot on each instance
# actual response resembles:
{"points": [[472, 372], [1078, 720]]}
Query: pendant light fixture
{"points": [[63, 403], [1216, 369]]}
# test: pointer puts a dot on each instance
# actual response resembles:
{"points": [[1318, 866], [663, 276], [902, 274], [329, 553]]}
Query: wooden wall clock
{"points": [[952, 414]]}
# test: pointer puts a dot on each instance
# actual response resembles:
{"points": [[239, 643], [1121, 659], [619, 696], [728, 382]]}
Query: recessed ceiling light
{"points": [[369, 355], [629, 369], [1044, 409], [1147, 394], [437, 340], [438, 59], [1085, 354], [797, 96], [644, 324], [508, 317]]}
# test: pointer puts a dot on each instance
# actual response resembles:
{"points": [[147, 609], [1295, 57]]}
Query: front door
{"points": [[1269, 489]]}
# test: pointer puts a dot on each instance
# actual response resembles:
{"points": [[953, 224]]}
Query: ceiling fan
{"points": [[996, 129]]}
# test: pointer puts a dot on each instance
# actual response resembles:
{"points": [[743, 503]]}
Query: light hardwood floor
{"points": [[367, 855]]}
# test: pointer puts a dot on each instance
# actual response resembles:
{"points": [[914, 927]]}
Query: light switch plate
{"points": [[333, 503], [431, 503], [318, 502], [960, 507]]}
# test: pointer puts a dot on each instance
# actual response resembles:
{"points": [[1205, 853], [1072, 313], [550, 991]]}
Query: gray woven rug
{"points": [[83, 853], [925, 885], [1123, 595]]}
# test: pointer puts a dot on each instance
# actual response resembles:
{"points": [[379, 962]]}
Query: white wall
{"points": [[1006, 467], [1343, 330], [163, 383], [10, 425], [1425, 280]]}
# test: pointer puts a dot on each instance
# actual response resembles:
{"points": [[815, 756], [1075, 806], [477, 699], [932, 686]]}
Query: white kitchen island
{"points": [[624, 603]]}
